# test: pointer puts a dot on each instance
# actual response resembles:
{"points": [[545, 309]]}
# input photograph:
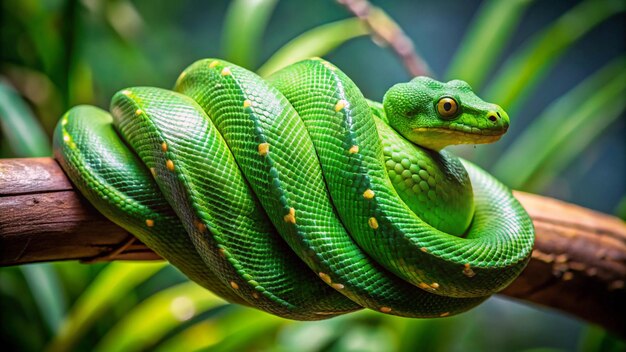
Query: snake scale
{"points": [[297, 196]]}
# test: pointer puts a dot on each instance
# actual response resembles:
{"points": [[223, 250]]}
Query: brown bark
{"points": [[42, 218], [578, 265]]}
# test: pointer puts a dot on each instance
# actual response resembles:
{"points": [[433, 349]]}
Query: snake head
{"points": [[435, 114]]}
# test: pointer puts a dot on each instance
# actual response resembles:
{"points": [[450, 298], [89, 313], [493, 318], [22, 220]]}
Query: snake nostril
{"points": [[492, 118], [498, 114]]}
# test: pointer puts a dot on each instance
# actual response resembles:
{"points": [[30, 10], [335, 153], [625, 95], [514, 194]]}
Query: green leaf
{"points": [[145, 325], [316, 42], [21, 129], [532, 61], [243, 28], [620, 209], [44, 285], [41, 27], [486, 37], [80, 83], [595, 338], [564, 129], [238, 329], [110, 286]]}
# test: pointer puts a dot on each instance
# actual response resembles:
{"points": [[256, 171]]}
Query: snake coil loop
{"points": [[281, 194]]}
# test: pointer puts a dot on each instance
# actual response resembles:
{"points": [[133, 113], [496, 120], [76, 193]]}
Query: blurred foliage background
{"points": [[558, 68]]}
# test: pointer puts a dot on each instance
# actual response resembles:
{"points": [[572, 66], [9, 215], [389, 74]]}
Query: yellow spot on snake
{"points": [[255, 295], [337, 286], [226, 71], [325, 278], [164, 147], [213, 63], [291, 217], [373, 223], [247, 103], [385, 309], [354, 149], [64, 121], [425, 286], [264, 148], [126, 92], [149, 222], [153, 172], [200, 226], [340, 105], [170, 165], [222, 252], [467, 271], [424, 249], [368, 194], [234, 285], [434, 285], [138, 112], [444, 314]]}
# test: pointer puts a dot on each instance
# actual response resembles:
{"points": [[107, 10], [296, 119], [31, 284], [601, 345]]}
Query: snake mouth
{"points": [[459, 129], [437, 137]]}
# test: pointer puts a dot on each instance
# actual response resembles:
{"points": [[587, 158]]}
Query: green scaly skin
{"points": [[258, 172]]}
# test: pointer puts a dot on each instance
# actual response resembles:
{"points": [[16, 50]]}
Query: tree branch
{"points": [[578, 265]]}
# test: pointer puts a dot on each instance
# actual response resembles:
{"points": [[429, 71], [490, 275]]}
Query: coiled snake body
{"points": [[294, 196]]}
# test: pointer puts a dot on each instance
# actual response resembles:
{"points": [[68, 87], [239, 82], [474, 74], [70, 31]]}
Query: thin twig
{"points": [[112, 254], [386, 32]]}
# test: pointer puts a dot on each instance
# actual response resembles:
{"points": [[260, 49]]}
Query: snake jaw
{"points": [[437, 138]]}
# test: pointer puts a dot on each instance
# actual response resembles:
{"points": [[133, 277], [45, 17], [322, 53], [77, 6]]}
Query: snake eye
{"points": [[447, 107]]}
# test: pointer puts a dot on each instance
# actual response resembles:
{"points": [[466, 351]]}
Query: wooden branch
{"points": [[43, 218], [578, 265]]}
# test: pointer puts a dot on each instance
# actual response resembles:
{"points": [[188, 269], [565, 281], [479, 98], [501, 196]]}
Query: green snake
{"points": [[297, 196]]}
